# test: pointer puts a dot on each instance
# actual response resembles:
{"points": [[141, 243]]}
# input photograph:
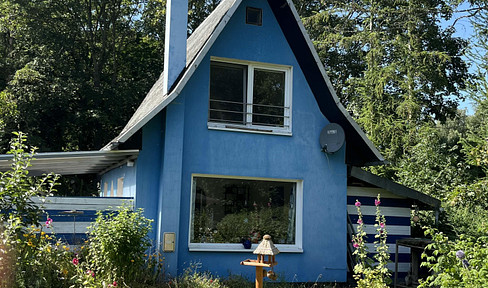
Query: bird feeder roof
{"points": [[266, 247]]}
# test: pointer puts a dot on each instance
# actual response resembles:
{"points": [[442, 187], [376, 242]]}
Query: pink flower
{"points": [[355, 245], [89, 272], [358, 204], [75, 261], [382, 225], [360, 221], [377, 202], [115, 283], [48, 222]]}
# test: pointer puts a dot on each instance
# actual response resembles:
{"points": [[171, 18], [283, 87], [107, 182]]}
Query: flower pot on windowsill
{"points": [[246, 243]]}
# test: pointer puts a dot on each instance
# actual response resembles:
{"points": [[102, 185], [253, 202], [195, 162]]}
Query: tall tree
{"points": [[393, 66], [76, 69]]}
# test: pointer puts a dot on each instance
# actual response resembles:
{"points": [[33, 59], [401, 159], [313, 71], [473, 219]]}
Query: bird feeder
{"points": [[265, 248]]}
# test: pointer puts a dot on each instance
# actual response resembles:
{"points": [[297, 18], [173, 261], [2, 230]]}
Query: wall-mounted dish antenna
{"points": [[332, 138]]}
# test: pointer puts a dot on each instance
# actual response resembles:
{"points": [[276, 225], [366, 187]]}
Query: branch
{"points": [[471, 13]]}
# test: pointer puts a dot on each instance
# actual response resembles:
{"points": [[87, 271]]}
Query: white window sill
{"points": [[249, 129], [221, 247]]}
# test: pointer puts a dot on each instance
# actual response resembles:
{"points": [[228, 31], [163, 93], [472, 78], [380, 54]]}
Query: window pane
{"points": [[268, 97], [229, 210], [227, 92]]}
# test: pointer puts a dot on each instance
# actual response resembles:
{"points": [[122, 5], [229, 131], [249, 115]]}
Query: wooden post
{"points": [[396, 265], [259, 277]]}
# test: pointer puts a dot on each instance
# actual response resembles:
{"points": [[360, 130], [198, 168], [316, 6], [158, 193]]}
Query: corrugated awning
{"points": [[71, 163]]}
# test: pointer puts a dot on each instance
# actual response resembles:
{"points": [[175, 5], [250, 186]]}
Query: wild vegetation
{"points": [[75, 71], [117, 252]]}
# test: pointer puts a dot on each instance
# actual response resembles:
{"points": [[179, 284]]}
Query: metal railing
{"points": [[248, 114]]}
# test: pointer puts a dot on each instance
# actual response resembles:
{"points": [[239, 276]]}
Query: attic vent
{"points": [[254, 16]]}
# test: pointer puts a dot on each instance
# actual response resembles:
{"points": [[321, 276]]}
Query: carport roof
{"points": [[71, 163]]}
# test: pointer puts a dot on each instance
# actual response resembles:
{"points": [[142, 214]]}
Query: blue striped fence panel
{"points": [[396, 210], [73, 215]]}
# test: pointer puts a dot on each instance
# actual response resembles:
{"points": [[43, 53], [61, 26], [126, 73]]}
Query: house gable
{"points": [[188, 149], [360, 152], [257, 156]]}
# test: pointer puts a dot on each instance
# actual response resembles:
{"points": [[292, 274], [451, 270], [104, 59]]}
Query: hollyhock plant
{"points": [[368, 275]]}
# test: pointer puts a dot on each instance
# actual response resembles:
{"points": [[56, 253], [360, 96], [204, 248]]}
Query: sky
{"points": [[464, 30]]}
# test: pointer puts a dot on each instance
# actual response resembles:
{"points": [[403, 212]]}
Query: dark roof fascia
{"points": [[394, 187], [360, 151]]}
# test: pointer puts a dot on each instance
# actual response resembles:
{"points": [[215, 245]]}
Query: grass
{"points": [[206, 280]]}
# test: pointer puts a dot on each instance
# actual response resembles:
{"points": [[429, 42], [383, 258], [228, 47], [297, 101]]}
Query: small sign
{"points": [[169, 241]]}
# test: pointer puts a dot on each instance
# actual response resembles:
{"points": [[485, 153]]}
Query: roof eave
{"points": [[394, 187]]}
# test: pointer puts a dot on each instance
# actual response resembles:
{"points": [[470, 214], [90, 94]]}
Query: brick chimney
{"points": [[175, 41]]}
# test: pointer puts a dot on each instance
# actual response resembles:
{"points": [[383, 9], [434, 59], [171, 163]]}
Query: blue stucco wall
{"points": [[189, 147], [110, 179], [149, 166]]}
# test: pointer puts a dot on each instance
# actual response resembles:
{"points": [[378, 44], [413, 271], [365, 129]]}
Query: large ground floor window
{"points": [[229, 210]]}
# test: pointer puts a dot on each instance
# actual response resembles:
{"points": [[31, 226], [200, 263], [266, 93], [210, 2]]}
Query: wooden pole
{"points": [[259, 277]]}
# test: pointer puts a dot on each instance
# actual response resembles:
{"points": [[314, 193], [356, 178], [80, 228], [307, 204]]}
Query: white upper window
{"points": [[250, 96]]}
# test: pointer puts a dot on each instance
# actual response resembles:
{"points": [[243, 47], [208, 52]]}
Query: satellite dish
{"points": [[332, 138]]}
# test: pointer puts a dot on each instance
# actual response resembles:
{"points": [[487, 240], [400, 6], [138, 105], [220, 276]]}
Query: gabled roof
{"points": [[359, 149]]}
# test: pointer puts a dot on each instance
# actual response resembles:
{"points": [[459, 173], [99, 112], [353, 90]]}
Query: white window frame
{"points": [[237, 247], [249, 127]]}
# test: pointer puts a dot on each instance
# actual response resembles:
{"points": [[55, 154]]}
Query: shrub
{"points": [[45, 260], [116, 249], [17, 188], [27, 256], [461, 263]]}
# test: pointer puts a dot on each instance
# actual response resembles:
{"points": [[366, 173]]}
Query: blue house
{"points": [[225, 148], [229, 145]]}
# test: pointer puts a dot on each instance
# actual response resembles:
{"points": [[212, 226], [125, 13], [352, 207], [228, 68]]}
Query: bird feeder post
{"points": [[259, 277], [266, 247]]}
